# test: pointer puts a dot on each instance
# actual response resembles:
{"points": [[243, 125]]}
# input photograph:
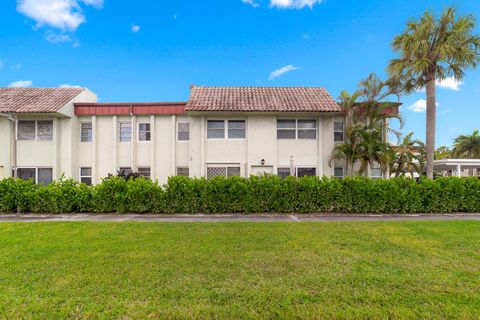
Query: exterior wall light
{"points": [[262, 162]]}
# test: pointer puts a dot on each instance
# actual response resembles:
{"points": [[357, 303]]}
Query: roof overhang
{"points": [[130, 108], [449, 164]]}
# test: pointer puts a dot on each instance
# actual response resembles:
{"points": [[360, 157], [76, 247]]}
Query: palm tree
{"points": [[373, 149], [409, 156], [431, 50], [467, 146], [443, 152]]}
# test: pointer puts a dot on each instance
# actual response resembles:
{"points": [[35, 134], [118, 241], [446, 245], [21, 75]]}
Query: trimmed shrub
{"points": [[268, 194]]}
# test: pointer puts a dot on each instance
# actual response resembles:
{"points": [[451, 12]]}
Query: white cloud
{"points": [[135, 28], [281, 71], [21, 84], [252, 3], [294, 4], [419, 106], [449, 83], [66, 85], [66, 15]]}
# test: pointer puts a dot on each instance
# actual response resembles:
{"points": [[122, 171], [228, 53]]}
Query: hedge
{"points": [[268, 194]]}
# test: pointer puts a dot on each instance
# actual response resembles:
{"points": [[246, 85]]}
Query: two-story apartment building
{"points": [[229, 131]]}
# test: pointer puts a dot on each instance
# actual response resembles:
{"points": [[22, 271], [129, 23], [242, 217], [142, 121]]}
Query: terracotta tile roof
{"points": [[261, 99], [36, 100]]}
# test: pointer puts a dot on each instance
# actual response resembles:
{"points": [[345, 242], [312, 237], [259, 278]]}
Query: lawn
{"points": [[240, 270]]}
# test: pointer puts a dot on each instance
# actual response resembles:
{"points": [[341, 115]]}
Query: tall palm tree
{"points": [[431, 50], [373, 149], [467, 146], [409, 156]]}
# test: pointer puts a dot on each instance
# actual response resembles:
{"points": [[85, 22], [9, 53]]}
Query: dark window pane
{"points": [[285, 134], [338, 136], [86, 180], [307, 134], [306, 172], [26, 130], [144, 132], [283, 172], [285, 124], [236, 129], [144, 172], [86, 132], [215, 129], [307, 124], [338, 126], [45, 130], [45, 175], [233, 172], [183, 171], [26, 173], [338, 172]]}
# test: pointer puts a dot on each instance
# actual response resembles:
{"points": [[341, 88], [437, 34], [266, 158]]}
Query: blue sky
{"points": [[153, 50]]}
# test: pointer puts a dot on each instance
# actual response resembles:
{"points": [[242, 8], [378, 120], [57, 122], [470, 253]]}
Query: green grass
{"points": [[373, 270]]}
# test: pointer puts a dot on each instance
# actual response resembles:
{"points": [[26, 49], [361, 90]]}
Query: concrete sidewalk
{"points": [[234, 217]]}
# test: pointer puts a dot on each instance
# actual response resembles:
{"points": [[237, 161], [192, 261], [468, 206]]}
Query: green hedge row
{"points": [[240, 195]]}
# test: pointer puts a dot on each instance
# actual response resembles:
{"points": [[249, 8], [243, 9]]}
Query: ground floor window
{"points": [[223, 171], [39, 175], [144, 172], [299, 172], [338, 172], [376, 173], [183, 171], [86, 176]]}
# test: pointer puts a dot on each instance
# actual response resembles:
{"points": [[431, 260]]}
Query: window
{"points": [[286, 129], [306, 172], [376, 173], [125, 129], [283, 172], [183, 171], [307, 129], [144, 131], [338, 172], [223, 171], [26, 130], [296, 129], [215, 129], [86, 132], [144, 172], [236, 129], [86, 176], [338, 131], [45, 130], [183, 131], [26, 173], [35, 130], [39, 175], [125, 171]]}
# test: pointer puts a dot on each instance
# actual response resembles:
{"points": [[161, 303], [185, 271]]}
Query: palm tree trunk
{"points": [[431, 122]]}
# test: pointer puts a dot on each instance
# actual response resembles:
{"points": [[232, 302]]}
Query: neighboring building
{"points": [[229, 131]]}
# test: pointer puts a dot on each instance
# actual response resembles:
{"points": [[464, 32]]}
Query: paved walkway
{"points": [[230, 218]]}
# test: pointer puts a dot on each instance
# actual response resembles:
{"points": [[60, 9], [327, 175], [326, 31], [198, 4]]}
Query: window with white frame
{"points": [[183, 171], [338, 172], [144, 133], [306, 172], [338, 132], [86, 132], [183, 131], [230, 129], [223, 171], [35, 130], [125, 131], [296, 129], [376, 173], [86, 175], [236, 129], [144, 172], [283, 172], [39, 175]]}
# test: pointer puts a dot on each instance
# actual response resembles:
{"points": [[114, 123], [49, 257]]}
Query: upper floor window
{"points": [[232, 129], [297, 129], [86, 132], [144, 133], [35, 130], [125, 129], [183, 131], [338, 131]]}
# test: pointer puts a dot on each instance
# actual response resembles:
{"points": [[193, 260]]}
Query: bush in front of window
{"points": [[267, 194]]}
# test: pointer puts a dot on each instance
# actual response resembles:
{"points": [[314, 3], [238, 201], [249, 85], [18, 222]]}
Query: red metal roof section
{"points": [[136, 108]]}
